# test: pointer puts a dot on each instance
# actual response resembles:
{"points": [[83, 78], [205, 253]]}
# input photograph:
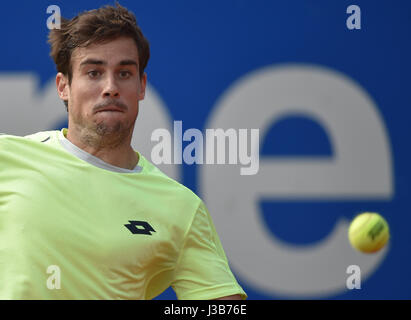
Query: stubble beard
{"points": [[102, 135]]}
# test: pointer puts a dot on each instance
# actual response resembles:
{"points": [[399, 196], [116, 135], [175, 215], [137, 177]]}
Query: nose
{"points": [[110, 87]]}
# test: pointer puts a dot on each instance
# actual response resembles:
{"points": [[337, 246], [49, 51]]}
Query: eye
{"points": [[93, 74], [124, 74]]}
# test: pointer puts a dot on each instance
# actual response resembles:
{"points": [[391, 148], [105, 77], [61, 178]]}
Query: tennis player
{"points": [[82, 214]]}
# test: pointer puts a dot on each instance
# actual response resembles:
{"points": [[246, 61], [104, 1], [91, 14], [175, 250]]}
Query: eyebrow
{"points": [[92, 61], [126, 62]]}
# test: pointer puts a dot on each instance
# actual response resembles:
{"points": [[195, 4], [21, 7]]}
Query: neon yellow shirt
{"points": [[110, 234]]}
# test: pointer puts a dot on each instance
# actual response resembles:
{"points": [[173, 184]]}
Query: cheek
{"points": [[131, 97], [84, 96]]}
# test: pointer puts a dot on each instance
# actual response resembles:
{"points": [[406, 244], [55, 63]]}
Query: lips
{"points": [[110, 108], [110, 105]]}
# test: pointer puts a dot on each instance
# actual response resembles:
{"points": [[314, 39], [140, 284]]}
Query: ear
{"points": [[62, 86], [143, 83]]}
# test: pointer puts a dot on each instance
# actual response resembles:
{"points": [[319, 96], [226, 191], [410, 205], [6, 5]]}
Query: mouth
{"points": [[110, 109]]}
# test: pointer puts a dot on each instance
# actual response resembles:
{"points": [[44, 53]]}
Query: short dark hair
{"points": [[95, 26]]}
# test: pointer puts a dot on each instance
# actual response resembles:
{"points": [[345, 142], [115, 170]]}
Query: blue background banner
{"points": [[333, 109]]}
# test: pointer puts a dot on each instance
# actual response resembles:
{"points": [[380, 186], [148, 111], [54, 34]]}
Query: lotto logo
{"points": [[139, 227]]}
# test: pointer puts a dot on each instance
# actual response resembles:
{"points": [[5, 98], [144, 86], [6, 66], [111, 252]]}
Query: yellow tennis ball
{"points": [[368, 232]]}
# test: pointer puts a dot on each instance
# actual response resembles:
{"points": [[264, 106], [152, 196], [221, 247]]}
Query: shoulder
{"points": [[168, 187], [35, 140], [38, 136], [41, 136], [6, 138], [154, 172]]}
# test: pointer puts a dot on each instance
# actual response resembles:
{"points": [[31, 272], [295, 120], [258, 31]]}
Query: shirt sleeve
{"points": [[202, 270]]}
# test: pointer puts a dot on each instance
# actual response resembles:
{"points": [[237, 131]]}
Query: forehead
{"points": [[111, 52]]}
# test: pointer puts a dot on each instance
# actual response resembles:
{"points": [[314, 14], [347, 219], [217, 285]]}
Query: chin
{"points": [[113, 128]]}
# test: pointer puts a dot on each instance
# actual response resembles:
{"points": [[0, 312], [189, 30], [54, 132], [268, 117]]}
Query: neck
{"points": [[113, 149]]}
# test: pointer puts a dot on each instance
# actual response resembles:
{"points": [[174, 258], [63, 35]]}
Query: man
{"points": [[83, 215]]}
